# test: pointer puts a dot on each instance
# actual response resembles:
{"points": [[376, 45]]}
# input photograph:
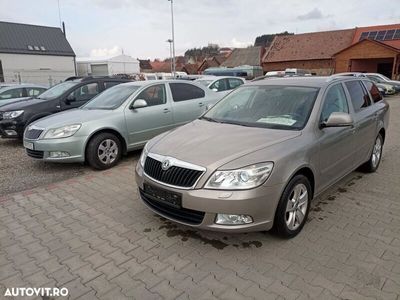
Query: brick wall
{"points": [[318, 66], [365, 50]]}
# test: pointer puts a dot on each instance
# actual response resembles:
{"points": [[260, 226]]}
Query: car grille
{"points": [[33, 134], [184, 215], [177, 176], [35, 153]]}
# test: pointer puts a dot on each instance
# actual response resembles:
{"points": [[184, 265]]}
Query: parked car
{"points": [[297, 72], [119, 120], [15, 117], [12, 93], [383, 79], [383, 87], [258, 157], [221, 84]]}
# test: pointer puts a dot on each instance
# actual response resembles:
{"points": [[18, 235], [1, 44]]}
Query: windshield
{"points": [[204, 82], [57, 90], [277, 107], [111, 98]]}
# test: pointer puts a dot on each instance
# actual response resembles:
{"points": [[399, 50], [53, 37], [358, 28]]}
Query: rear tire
{"points": [[104, 151], [375, 159], [293, 207]]}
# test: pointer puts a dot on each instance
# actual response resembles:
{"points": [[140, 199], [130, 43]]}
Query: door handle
{"points": [[201, 104], [166, 110], [58, 106]]}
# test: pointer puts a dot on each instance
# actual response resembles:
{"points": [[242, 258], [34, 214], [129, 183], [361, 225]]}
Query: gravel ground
{"points": [[19, 172]]}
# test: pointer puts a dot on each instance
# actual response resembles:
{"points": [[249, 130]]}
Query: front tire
{"points": [[104, 151], [293, 207]]}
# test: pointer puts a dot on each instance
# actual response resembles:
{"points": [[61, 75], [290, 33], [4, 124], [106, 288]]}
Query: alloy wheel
{"points": [[296, 207], [377, 152]]}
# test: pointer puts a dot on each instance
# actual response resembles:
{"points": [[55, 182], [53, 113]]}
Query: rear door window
{"points": [[34, 92], [184, 91], [234, 83], [359, 96], [13, 93], [373, 90]]}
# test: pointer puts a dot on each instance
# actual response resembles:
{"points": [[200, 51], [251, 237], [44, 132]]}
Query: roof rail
{"points": [[346, 75]]}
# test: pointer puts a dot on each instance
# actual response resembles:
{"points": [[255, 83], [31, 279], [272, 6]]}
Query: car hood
{"points": [[73, 116], [21, 103], [4, 102], [212, 145]]}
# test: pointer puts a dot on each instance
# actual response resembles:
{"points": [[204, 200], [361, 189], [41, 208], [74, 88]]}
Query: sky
{"points": [[141, 28]]}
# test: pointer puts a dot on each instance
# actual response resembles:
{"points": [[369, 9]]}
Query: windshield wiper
{"points": [[210, 119]]}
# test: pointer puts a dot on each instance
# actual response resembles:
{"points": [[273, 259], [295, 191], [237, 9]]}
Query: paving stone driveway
{"points": [[93, 236]]}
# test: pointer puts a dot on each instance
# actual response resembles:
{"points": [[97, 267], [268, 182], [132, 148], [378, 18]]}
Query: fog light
{"points": [[58, 154], [226, 219], [10, 132]]}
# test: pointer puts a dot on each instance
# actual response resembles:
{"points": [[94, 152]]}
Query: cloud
{"points": [[313, 14], [238, 44], [104, 52]]}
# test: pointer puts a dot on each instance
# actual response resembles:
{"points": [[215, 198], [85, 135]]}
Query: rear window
{"points": [[358, 95], [373, 90], [185, 91]]}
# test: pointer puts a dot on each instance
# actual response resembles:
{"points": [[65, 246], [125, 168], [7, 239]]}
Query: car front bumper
{"points": [[260, 203], [74, 146], [11, 129]]}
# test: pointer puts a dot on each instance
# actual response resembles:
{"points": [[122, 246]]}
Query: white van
{"points": [[297, 72]]}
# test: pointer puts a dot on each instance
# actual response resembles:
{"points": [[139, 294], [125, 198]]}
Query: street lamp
{"points": [[173, 38], [170, 41]]}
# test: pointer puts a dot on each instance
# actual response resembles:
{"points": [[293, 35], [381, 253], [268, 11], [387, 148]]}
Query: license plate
{"points": [[28, 145], [164, 196]]}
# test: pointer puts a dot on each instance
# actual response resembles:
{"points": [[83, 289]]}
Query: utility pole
{"points": [[173, 39], [170, 55], [59, 13]]}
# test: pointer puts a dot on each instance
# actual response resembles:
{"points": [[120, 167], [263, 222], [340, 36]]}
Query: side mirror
{"points": [[215, 90], [139, 103], [338, 119], [70, 98]]}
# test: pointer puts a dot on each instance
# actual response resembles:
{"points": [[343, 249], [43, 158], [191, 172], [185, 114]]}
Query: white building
{"points": [[120, 64], [34, 54]]}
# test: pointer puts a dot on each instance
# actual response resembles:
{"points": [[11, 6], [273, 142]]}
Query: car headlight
{"points": [[62, 132], [12, 114], [143, 156], [240, 179]]}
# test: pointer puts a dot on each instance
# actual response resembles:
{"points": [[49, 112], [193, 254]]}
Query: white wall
{"points": [[40, 69], [123, 67], [120, 64]]}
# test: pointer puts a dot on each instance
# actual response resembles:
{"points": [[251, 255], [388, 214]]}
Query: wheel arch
{"points": [[108, 130], [308, 173]]}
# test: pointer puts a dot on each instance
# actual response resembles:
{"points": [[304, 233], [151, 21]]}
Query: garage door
{"points": [[99, 70]]}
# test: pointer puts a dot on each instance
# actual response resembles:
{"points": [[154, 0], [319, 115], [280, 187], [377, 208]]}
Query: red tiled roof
{"points": [[306, 46], [161, 66], [394, 43]]}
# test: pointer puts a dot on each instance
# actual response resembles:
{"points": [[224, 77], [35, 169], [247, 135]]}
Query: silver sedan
{"points": [[121, 119]]}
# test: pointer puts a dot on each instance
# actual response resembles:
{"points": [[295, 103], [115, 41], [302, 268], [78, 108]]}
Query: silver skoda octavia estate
{"points": [[257, 158]]}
